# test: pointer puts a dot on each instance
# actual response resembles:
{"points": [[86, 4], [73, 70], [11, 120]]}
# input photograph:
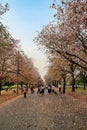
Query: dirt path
{"points": [[48, 112]]}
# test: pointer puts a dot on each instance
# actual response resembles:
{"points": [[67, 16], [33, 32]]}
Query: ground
{"points": [[5, 96], [48, 112]]}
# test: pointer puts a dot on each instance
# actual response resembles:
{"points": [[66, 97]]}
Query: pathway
{"points": [[48, 112]]}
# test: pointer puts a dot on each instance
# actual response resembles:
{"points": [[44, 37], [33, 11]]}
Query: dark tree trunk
{"points": [[84, 85], [64, 85], [73, 67], [0, 88], [73, 83], [84, 79]]}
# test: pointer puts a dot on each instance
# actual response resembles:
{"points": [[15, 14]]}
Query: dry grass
{"points": [[5, 96]]}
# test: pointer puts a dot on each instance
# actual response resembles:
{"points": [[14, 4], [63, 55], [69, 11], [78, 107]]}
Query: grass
{"points": [[78, 90], [8, 87], [7, 95]]}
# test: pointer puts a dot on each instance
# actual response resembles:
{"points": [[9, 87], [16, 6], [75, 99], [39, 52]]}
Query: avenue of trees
{"points": [[15, 66], [65, 42]]}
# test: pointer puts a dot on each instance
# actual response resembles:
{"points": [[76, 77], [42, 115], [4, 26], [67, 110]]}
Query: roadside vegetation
{"points": [[65, 42], [16, 68]]}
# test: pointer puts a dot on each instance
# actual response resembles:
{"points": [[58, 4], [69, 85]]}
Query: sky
{"points": [[23, 20]]}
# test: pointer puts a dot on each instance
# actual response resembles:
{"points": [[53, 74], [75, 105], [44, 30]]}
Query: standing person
{"points": [[42, 90], [25, 91], [53, 89], [59, 88], [49, 88], [32, 89]]}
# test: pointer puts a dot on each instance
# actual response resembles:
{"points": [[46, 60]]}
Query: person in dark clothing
{"points": [[60, 89], [49, 88], [25, 91], [32, 89], [42, 90], [53, 89]]}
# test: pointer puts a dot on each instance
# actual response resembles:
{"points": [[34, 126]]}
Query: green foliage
{"points": [[7, 87], [78, 90]]}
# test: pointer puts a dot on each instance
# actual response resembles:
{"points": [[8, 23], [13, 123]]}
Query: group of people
{"points": [[25, 90], [50, 88], [41, 89]]}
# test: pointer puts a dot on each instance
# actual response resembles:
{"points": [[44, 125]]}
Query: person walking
{"points": [[42, 90], [49, 89], [32, 89], [25, 91], [53, 89], [59, 88]]}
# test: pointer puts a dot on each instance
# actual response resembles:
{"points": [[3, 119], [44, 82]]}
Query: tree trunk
{"points": [[64, 85], [0, 88], [73, 83], [84, 85]]}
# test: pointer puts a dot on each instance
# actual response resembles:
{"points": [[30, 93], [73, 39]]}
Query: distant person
{"points": [[49, 88], [42, 90], [32, 89], [53, 89], [59, 88], [25, 91]]}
